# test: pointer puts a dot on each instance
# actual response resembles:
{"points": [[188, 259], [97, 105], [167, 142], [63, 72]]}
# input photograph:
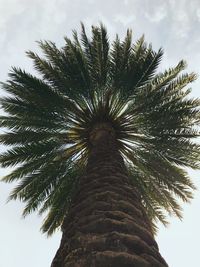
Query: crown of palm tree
{"points": [[87, 85]]}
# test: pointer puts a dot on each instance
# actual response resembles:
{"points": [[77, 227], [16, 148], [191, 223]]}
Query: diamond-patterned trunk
{"points": [[107, 225]]}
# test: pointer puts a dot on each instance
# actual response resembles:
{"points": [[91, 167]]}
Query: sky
{"points": [[173, 25]]}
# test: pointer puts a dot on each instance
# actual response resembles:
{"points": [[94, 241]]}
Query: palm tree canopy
{"points": [[50, 121]]}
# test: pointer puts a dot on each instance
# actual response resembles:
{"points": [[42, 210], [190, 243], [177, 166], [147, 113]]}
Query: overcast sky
{"points": [[174, 25]]}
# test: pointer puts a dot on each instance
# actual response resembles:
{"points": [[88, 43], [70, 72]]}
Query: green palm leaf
{"points": [[49, 121]]}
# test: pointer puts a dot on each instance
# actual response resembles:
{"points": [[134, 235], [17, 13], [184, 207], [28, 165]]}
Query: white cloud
{"points": [[157, 15], [123, 19], [8, 10], [182, 20], [198, 13]]}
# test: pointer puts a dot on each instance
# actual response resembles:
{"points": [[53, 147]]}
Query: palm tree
{"points": [[99, 142]]}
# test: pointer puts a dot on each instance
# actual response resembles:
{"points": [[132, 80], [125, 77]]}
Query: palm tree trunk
{"points": [[107, 225]]}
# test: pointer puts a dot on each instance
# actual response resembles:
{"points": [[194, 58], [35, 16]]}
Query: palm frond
{"points": [[49, 121]]}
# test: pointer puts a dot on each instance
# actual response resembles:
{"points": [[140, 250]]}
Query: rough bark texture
{"points": [[107, 225]]}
